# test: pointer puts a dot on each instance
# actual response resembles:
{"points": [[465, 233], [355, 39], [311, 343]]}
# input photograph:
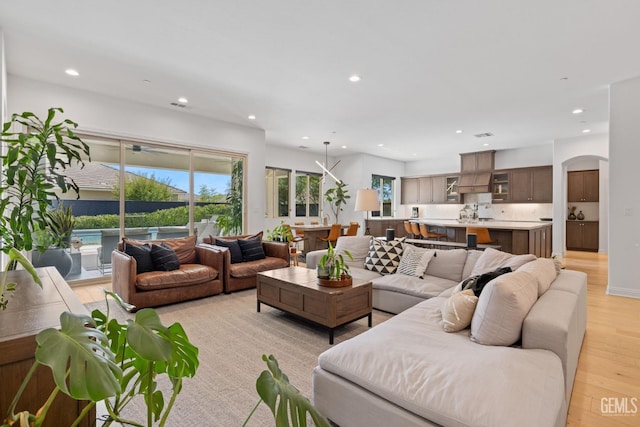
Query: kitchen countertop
{"points": [[497, 225]]}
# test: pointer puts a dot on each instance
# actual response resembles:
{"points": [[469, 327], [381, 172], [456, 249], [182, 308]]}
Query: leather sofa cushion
{"points": [[186, 275], [251, 268], [184, 247]]}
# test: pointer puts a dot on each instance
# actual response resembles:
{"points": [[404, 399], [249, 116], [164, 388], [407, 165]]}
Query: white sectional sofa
{"points": [[408, 371]]}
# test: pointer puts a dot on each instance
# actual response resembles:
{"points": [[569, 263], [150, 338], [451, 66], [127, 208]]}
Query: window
{"points": [[307, 194], [385, 186], [277, 192]]}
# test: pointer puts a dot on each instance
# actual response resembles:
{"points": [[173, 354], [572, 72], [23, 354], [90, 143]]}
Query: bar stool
{"points": [[408, 230], [483, 234], [424, 232]]}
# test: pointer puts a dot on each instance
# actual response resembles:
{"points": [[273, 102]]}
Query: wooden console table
{"points": [[30, 310]]}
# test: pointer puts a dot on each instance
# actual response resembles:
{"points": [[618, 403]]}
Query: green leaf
{"points": [[148, 336], [16, 255], [292, 407], [79, 357]]}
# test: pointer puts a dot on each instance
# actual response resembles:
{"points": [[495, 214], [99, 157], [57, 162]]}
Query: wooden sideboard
{"points": [[30, 310]]}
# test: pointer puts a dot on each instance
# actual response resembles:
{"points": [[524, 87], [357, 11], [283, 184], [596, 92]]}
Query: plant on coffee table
{"points": [[332, 265]]}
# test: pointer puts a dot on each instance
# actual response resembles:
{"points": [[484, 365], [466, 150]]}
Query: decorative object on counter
{"points": [[572, 213], [472, 241], [468, 214], [414, 212], [580, 216]]}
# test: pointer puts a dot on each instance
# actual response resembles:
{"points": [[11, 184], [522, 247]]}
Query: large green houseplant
{"points": [[97, 358], [337, 196], [36, 154]]}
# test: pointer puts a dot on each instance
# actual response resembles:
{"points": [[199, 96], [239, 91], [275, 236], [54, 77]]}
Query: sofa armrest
{"points": [[212, 256], [123, 274], [312, 259], [225, 272], [276, 249]]}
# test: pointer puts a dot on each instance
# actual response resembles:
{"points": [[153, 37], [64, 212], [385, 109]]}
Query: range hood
{"points": [[478, 182]]}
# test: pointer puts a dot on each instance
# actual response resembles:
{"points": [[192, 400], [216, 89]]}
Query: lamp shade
{"points": [[367, 200]]}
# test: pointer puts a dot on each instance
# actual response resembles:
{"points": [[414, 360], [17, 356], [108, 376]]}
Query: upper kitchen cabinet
{"points": [[477, 162], [531, 185], [409, 190], [583, 186]]}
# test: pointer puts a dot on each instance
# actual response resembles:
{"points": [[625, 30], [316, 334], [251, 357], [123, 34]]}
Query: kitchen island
{"points": [[516, 237]]}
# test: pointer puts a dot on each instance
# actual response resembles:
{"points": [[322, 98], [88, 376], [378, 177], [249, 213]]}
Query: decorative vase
{"points": [[572, 214], [580, 216], [58, 258]]}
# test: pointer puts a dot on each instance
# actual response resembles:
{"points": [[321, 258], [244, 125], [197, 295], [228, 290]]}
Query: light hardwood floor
{"points": [[609, 365]]}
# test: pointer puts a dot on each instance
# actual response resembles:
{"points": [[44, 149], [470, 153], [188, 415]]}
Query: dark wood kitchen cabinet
{"points": [[582, 235], [583, 186], [532, 185]]}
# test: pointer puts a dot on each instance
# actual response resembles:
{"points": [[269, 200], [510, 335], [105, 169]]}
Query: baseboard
{"points": [[623, 292]]}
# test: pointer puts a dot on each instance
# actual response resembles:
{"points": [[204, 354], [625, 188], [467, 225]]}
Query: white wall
{"points": [[432, 166], [535, 155], [624, 197], [117, 117], [3, 81], [574, 153]]}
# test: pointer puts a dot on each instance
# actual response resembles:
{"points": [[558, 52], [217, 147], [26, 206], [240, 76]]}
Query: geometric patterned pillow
{"points": [[383, 257]]}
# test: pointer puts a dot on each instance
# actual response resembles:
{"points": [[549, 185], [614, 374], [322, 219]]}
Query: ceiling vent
{"points": [[177, 104], [483, 135]]}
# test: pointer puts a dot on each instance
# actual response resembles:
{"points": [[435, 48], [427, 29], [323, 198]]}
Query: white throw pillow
{"points": [[414, 260], [544, 270], [458, 311], [502, 307]]}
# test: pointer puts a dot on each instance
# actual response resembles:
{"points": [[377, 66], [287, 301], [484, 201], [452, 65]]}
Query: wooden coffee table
{"points": [[294, 290]]}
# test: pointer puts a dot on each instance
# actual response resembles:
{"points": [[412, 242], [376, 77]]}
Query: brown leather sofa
{"points": [[200, 274], [243, 275]]}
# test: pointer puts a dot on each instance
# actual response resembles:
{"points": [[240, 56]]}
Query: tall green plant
{"points": [[337, 196], [60, 223], [97, 358], [33, 168]]}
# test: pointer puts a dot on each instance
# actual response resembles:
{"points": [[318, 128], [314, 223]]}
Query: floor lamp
{"points": [[367, 200]]}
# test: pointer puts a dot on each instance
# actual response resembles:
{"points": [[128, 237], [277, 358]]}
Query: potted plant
{"points": [[97, 358], [280, 233], [33, 172], [337, 196], [54, 241], [332, 270]]}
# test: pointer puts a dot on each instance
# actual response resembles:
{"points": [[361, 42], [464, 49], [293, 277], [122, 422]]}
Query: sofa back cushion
{"points": [[447, 264], [358, 247], [184, 247], [544, 270], [472, 258], [502, 307], [492, 259]]}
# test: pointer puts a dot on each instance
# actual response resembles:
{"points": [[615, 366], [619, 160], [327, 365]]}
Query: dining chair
{"points": [[483, 234], [334, 233], [353, 229], [424, 232]]}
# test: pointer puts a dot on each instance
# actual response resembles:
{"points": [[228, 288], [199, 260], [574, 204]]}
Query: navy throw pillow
{"points": [[234, 249], [251, 249], [164, 258], [142, 255]]}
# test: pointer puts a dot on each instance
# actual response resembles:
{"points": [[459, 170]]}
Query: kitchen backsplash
{"points": [[500, 212]]}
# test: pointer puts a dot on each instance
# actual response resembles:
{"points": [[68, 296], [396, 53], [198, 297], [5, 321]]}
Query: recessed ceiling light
{"points": [[305, 137], [344, 146], [577, 111], [354, 78], [459, 131], [251, 117], [72, 72], [414, 154], [586, 130], [485, 144], [380, 145], [183, 100]]}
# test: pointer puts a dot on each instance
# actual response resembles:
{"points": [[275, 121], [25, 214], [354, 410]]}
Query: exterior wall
{"points": [[624, 197]]}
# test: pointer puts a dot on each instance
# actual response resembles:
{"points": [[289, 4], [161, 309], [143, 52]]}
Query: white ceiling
{"points": [[428, 67]]}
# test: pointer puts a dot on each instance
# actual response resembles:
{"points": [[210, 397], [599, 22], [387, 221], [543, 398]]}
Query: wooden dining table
{"points": [[313, 233]]}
